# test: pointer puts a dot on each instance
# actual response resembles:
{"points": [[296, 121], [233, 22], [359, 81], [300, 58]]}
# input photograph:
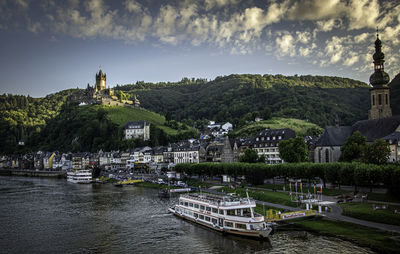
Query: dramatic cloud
{"points": [[330, 32]]}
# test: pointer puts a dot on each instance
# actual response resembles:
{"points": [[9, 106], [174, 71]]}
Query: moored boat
{"points": [[227, 214], [79, 176]]}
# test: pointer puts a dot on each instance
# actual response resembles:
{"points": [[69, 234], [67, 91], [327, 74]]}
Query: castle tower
{"points": [[100, 81], [380, 91]]}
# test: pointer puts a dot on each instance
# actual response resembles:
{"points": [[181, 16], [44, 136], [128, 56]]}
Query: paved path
{"points": [[335, 214]]}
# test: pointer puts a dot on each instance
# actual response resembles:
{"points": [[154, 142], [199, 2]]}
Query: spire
{"points": [[379, 77]]}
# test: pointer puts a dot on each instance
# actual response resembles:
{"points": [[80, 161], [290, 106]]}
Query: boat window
{"points": [[208, 209], [186, 203], [228, 224], [196, 215], [196, 206], [241, 226], [181, 203], [208, 218], [214, 221], [190, 204], [202, 207], [215, 210], [221, 211], [230, 212], [201, 217]]}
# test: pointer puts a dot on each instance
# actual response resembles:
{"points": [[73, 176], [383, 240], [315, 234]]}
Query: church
{"points": [[380, 124]]}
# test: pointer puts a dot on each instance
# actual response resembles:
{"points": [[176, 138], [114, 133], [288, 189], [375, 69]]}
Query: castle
{"points": [[100, 94]]}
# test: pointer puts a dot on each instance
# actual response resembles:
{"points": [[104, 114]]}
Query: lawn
{"points": [[377, 240], [325, 191], [382, 197], [364, 211]]}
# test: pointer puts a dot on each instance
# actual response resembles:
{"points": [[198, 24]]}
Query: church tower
{"points": [[100, 81], [380, 91]]}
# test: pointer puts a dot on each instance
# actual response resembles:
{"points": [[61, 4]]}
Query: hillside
{"points": [[316, 99], [95, 127], [301, 127]]}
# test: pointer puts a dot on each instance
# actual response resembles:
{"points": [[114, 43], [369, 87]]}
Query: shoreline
{"points": [[32, 173]]}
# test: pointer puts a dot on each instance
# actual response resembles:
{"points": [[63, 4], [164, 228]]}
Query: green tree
{"points": [[249, 156], [267, 113], [376, 153], [293, 150], [353, 147]]}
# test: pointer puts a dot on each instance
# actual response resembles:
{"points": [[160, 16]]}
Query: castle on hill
{"points": [[100, 94]]}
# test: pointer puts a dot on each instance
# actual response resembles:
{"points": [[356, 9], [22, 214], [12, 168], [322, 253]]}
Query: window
{"points": [[196, 206], [201, 217], [214, 221], [190, 204], [231, 212], [241, 226], [196, 215], [379, 99], [221, 211], [215, 210], [186, 204], [202, 207], [208, 218], [386, 99], [326, 155], [228, 224], [181, 203], [208, 209]]}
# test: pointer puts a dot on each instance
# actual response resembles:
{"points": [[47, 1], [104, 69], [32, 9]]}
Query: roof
{"points": [[136, 125], [377, 128], [334, 136], [394, 137]]}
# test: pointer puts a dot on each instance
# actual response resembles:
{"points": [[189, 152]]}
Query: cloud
{"points": [[210, 4], [285, 45], [133, 6]]}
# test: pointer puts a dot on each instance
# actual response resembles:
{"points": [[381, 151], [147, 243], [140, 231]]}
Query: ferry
{"points": [[79, 176], [226, 214]]}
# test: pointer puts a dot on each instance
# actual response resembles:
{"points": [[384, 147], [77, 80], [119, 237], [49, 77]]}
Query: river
{"points": [[43, 215]]}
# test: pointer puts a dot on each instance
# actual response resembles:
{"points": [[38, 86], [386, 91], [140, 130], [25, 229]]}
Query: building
{"points": [[380, 91], [229, 152], [266, 143], [188, 152], [140, 129], [328, 146], [393, 140]]}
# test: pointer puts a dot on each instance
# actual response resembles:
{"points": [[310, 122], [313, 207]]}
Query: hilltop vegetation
{"points": [[49, 123], [316, 99], [95, 127], [301, 127]]}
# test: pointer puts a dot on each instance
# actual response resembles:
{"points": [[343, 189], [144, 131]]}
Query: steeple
{"points": [[379, 77], [380, 91], [100, 81]]}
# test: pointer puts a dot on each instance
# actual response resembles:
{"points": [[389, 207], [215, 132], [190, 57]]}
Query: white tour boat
{"points": [[226, 214], [79, 176]]}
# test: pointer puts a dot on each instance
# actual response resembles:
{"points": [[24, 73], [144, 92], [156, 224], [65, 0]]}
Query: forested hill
{"points": [[235, 98]]}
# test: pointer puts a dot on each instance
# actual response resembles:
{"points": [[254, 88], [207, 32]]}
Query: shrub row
{"points": [[339, 173]]}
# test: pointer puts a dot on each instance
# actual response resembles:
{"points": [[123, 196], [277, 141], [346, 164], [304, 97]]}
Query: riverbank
{"points": [[33, 173]]}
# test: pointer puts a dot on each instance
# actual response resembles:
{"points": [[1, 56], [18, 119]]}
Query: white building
{"points": [[140, 129]]}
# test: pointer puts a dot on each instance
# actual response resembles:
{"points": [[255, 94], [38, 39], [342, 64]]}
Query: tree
{"points": [[266, 113], [168, 116], [353, 147], [313, 131], [293, 150], [249, 156], [376, 153]]}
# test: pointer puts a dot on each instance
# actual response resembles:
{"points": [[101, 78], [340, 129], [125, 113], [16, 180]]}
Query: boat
{"points": [[79, 176], [226, 214], [164, 193]]}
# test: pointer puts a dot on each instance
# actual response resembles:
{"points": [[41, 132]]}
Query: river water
{"points": [[41, 215]]}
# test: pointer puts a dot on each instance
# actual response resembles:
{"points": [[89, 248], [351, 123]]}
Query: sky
{"points": [[51, 45]]}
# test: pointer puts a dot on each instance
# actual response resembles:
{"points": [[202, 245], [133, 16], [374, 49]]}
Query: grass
{"points": [[383, 197], [122, 115], [377, 240], [364, 211], [299, 126], [328, 192]]}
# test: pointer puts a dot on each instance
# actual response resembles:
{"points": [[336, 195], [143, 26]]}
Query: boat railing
{"points": [[219, 201]]}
